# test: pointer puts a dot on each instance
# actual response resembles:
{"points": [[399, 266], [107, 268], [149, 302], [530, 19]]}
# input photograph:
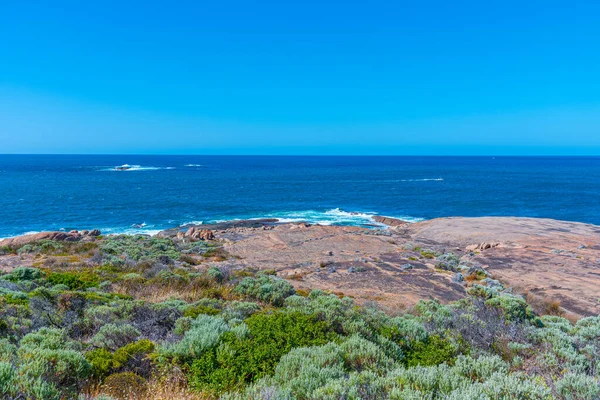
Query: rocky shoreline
{"points": [[552, 261]]}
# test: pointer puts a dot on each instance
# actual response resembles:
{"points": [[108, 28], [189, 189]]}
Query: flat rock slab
{"points": [[350, 260], [554, 259]]}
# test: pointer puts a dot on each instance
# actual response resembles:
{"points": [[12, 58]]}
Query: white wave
{"points": [[405, 218], [127, 167], [192, 223], [20, 234], [420, 180], [193, 165], [131, 231], [334, 216], [393, 180]]}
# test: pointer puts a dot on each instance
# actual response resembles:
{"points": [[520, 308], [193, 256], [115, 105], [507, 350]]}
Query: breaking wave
{"points": [[127, 167], [334, 216]]}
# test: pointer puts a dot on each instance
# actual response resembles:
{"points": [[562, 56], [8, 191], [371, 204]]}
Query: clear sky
{"points": [[305, 77]]}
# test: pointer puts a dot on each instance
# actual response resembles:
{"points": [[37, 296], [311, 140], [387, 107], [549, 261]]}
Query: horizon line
{"points": [[299, 155]]}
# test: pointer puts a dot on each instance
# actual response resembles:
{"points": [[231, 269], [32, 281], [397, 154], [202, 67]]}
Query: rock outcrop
{"points": [[197, 234], [389, 221], [72, 236], [518, 252]]}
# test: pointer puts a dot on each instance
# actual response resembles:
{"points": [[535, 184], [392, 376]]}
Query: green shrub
{"points": [[42, 246], [240, 310], [360, 354], [49, 355], [215, 274], [8, 380], [168, 277], [514, 307], [305, 369], [182, 325], [204, 334], [74, 281], [482, 368], [133, 357], [20, 274], [430, 254], [578, 387], [14, 297], [196, 310], [433, 351], [139, 247], [242, 360], [112, 336], [101, 362], [485, 292], [268, 289], [405, 330]]}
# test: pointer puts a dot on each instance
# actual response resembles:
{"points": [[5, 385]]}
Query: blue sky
{"points": [[311, 77]]}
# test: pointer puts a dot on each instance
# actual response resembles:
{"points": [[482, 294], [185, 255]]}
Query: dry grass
{"points": [[172, 387], [541, 304], [302, 292], [299, 276], [156, 293]]}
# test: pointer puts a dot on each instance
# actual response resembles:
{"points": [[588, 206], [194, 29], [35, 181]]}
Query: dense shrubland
{"points": [[134, 317]]}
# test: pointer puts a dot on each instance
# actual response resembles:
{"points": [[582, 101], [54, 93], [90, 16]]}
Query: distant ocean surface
{"points": [[83, 192]]}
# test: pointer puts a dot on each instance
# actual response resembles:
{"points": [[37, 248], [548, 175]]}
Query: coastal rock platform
{"points": [[551, 261]]}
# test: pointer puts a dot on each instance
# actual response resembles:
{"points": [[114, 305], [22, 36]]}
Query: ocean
{"points": [[64, 192]]}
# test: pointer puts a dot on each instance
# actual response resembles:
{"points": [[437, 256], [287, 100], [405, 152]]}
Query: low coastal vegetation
{"points": [[133, 317]]}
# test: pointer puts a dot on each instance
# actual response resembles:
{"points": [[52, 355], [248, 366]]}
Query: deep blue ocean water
{"points": [[84, 192]]}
